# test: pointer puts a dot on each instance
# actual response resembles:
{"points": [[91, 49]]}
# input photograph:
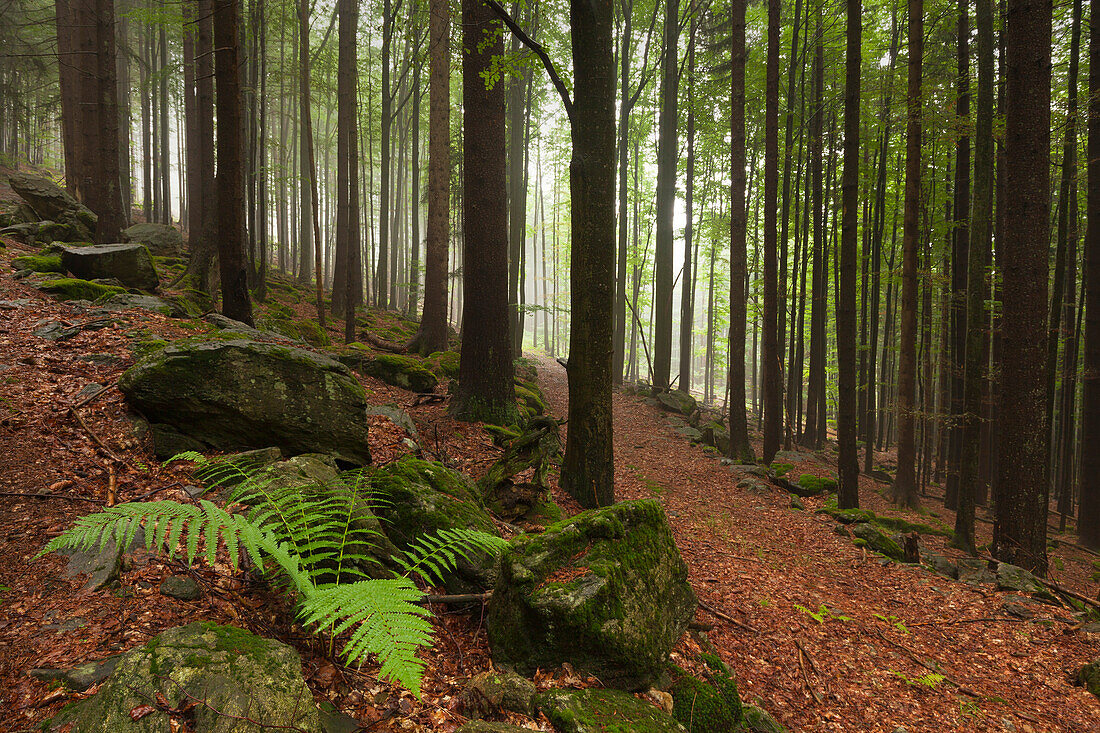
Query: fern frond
{"points": [[432, 556], [384, 623]]}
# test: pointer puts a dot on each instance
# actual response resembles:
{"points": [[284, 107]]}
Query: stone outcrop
{"points": [[130, 264]]}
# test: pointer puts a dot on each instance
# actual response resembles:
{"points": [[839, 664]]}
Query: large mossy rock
{"points": [[72, 288], [606, 591], [50, 201], [1088, 677], [421, 497], [869, 536], [130, 264], [247, 684], [400, 371], [677, 401], [604, 711], [162, 240], [238, 394]]}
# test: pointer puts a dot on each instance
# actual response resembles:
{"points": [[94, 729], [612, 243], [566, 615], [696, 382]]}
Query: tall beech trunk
{"points": [[740, 447], [1019, 530], [905, 485], [770, 367], [588, 471], [981, 230], [236, 303], [1088, 511], [485, 369], [433, 335], [667, 157], [848, 459]]}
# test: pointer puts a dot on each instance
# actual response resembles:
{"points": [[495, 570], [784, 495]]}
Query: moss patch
{"points": [[706, 706], [38, 263], [608, 711], [71, 288]]}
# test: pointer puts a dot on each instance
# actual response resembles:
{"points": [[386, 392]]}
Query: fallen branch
{"points": [[459, 599], [63, 497], [91, 398], [381, 343], [726, 617], [1005, 619], [802, 658], [936, 668], [91, 434]]}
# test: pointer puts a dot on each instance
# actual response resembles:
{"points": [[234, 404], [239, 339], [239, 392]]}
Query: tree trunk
{"points": [[485, 389], [770, 367], [433, 335], [236, 303], [1088, 512], [667, 156], [588, 471], [1019, 531], [848, 460], [740, 447]]}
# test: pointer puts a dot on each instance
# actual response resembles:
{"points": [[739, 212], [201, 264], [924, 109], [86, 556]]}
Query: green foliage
{"points": [[316, 545], [823, 614], [817, 484], [894, 621], [931, 681]]}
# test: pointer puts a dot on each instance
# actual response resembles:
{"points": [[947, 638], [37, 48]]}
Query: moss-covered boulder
{"points": [[492, 693], [38, 263], [400, 371], [443, 364], [171, 307], [130, 264], [420, 497], [237, 394], [716, 435], [810, 485], [706, 706], [758, 720], [49, 201], [245, 682], [677, 401], [161, 239], [529, 399], [606, 591], [604, 711], [1088, 677], [296, 329], [71, 288], [869, 536]]}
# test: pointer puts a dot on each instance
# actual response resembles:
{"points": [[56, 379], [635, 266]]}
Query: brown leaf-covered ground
{"points": [[863, 668]]}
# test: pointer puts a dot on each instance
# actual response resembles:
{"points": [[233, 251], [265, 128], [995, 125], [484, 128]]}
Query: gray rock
{"points": [[170, 307], [677, 401], [758, 721], [481, 726], [130, 264], [79, 678], [1019, 610], [400, 371], [101, 565], [942, 565], [797, 503], [1088, 677], [793, 456], [48, 200], [334, 721], [161, 239], [10, 305], [975, 571], [223, 323], [875, 539], [489, 693], [55, 331], [398, 417], [1013, 577], [690, 433], [750, 469], [605, 591], [597, 711], [100, 359], [421, 497], [237, 674], [754, 487], [181, 587], [239, 394]]}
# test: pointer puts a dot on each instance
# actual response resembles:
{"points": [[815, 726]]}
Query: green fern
{"points": [[315, 541]]}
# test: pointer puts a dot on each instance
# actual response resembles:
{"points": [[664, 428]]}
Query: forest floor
{"points": [[862, 665]]}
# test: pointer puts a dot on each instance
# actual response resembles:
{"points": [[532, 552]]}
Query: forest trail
{"points": [[871, 661]]}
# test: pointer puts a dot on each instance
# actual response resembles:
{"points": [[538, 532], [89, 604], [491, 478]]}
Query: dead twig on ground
{"points": [[802, 658], [726, 617], [62, 497]]}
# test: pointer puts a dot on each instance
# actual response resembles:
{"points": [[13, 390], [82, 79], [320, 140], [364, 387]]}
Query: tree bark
{"points": [[770, 366], [848, 460], [485, 389], [1019, 531]]}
